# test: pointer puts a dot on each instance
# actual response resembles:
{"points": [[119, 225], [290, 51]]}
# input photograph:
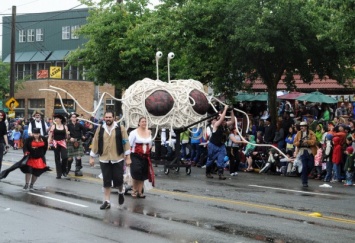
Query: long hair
{"points": [[3, 115]]}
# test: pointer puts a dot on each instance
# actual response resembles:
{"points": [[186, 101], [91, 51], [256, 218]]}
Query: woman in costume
{"points": [[35, 147], [140, 141], [58, 133], [4, 144]]}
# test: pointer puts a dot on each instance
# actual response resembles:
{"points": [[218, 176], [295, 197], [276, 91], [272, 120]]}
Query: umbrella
{"points": [[243, 96], [290, 96], [317, 97], [260, 97]]}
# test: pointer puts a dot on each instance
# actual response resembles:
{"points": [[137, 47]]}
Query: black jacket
{"points": [[35, 152]]}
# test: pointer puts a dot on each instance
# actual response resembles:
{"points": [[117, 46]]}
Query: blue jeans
{"points": [[328, 176], [349, 178], [337, 171], [216, 153], [307, 165], [195, 152]]}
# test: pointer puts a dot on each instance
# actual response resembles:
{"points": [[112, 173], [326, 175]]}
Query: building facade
{"points": [[43, 40]]}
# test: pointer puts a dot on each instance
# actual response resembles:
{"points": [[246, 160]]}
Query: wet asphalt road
{"points": [[250, 207]]}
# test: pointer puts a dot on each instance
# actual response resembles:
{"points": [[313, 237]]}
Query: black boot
{"points": [[64, 167], [208, 172], [69, 162], [220, 174], [78, 167], [58, 167]]}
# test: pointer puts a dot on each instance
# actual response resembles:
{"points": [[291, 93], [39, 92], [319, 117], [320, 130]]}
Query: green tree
{"points": [[112, 54], [233, 41], [4, 79], [220, 42]]}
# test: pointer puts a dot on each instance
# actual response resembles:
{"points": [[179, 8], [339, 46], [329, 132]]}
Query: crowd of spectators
{"points": [[333, 126]]}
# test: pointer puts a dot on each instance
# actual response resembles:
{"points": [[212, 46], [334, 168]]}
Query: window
{"points": [[30, 35], [36, 104], [22, 36], [65, 32], [39, 34], [110, 105], [68, 104], [73, 32], [20, 71], [21, 103]]}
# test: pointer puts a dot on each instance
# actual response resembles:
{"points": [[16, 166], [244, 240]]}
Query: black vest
{"points": [[119, 145], [218, 137], [33, 123]]}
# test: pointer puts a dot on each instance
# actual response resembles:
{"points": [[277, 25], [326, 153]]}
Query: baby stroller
{"points": [[272, 163]]}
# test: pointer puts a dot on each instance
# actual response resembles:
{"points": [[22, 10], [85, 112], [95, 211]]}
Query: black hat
{"points": [[36, 130], [73, 113], [61, 117]]}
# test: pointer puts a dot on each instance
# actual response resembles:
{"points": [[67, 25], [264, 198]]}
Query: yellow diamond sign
{"points": [[12, 103]]}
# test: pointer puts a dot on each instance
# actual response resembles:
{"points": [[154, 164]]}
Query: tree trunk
{"points": [[272, 104], [118, 106]]}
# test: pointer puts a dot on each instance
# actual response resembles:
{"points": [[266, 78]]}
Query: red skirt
{"points": [[36, 163]]}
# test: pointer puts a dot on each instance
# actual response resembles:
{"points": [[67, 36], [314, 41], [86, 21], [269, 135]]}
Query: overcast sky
{"points": [[38, 6]]}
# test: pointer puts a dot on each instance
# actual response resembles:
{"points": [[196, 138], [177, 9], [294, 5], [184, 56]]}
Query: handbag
{"points": [[127, 178]]}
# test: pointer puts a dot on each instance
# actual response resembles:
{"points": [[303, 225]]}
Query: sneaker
{"points": [[105, 205], [209, 176], [25, 187], [120, 198]]}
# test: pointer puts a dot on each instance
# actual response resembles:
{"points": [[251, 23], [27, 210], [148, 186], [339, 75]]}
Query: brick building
{"points": [[43, 40]]}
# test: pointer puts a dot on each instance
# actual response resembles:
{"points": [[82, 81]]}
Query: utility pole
{"points": [[13, 50]]}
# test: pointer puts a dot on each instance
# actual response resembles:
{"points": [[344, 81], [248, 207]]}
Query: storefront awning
{"points": [[62, 112], [58, 55], [40, 56], [26, 56], [17, 56]]}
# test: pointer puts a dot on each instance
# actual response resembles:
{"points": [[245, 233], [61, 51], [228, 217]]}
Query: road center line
{"points": [[289, 190], [59, 200]]}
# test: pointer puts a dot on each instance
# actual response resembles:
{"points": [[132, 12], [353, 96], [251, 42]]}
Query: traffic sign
{"points": [[11, 114], [12, 103]]}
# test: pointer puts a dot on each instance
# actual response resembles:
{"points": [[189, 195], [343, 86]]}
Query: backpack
{"points": [[324, 156]]}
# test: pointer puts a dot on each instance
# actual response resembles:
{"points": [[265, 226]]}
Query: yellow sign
{"points": [[55, 72], [12, 104], [11, 114]]}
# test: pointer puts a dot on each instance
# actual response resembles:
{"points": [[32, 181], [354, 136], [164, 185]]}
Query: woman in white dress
{"points": [[140, 141]]}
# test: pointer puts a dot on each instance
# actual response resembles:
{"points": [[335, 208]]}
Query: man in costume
{"points": [[111, 144], [75, 147], [38, 122], [305, 141], [216, 146]]}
